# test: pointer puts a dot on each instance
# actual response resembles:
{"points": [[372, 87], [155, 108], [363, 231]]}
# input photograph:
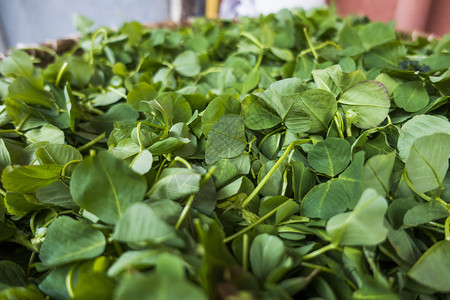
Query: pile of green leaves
{"points": [[296, 155]]}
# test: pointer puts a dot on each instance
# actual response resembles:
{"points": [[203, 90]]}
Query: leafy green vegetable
{"points": [[296, 155]]}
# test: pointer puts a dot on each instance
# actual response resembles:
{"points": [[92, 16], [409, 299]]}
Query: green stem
{"points": [[61, 72], [411, 186], [22, 240], [63, 171], [141, 146], [447, 228], [319, 251], [338, 123], [324, 44], [105, 35], [249, 227], [93, 142], [2, 192], [69, 281], [272, 170], [208, 175], [183, 161], [305, 30], [270, 134], [258, 62], [285, 182], [185, 211], [153, 125], [245, 248]]}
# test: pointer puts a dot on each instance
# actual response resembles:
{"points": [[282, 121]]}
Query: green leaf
{"points": [[362, 226], [68, 240], [28, 179], [257, 114], [377, 173], [431, 269], [82, 23], [274, 185], [141, 224], [218, 107], [325, 200], [187, 64], [302, 179], [304, 67], [19, 63], [134, 32], [320, 105], [226, 138], [47, 133], [416, 127], [142, 163], [12, 274], [369, 100], [330, 156], [351, 179], [411, 96], [267, 252], [93, 285], [106, 186], [375, 33], [173, 107], [56, 193], [80, 71], [139, 93], [30, 92], [19, 204], [175, 183], [109, 97], [134, 259], [386, 55], [5, 157], [427, 162], [58, 154], [424, 213], [154, 286]]}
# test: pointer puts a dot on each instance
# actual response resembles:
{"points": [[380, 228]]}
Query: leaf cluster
{"points": [[295, 155]]}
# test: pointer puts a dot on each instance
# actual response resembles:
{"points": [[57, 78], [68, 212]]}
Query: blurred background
{"points": [[28, 22]]}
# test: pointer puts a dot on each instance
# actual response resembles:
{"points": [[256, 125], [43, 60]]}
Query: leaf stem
{"points": [[185, 211], [249, 227], [21, 239], [153, 125], [141, 146], [61, 72], [338, 121], [258, 62], [91, 54], [269, 134], [272, 170], [305, 30], [69, 281], [447, 228], [91, 143], [63, 171], [411, 186], [319, 251], [245, 248], [183, 161]]}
